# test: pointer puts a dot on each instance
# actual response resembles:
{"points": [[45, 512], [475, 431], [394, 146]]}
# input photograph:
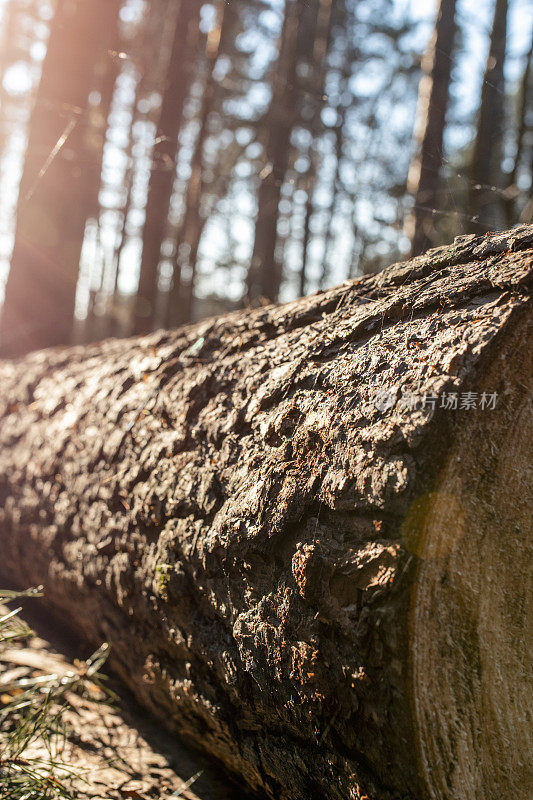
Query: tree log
{"points": [[302, 570]]}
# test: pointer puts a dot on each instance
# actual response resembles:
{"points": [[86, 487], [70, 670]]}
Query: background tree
{"points": [[192, 224], [59, 182], [180, 66], [486, 168], [523, 126], [264, 277], [424, 174]]}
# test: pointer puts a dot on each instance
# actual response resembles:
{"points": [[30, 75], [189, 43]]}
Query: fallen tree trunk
{"points": [[305, 570]]}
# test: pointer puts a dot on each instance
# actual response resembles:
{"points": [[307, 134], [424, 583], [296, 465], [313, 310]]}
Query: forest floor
{"points": [[115, 748]]}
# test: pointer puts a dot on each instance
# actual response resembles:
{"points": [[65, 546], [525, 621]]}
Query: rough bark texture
{"points": [[323, 590]]}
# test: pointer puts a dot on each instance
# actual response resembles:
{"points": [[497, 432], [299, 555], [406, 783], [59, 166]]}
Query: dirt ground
{"points": [[118, 751]]}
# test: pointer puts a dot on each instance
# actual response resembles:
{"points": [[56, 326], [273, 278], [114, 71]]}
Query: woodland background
{"points": [[166, 160]]}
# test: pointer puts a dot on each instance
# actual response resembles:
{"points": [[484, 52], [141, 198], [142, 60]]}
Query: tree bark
{"points": [[424, 174], [58, 183], [305, 574], [486, 203]]}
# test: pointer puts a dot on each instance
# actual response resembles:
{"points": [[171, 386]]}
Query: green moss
{"points": [[163, 576]]}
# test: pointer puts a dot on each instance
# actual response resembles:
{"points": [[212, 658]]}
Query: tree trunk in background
{"points": [[264, 275], [113, 307], [307, 574], [524, 107], [182, 295], [318, 61], [55, 193], [163, 175], [8, 31], [424, 174], [107, 72], [486, 203], [155, 41], [309, 210], [335, 192]]}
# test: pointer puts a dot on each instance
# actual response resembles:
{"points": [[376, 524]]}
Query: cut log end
{"points": [[471, 655]]}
